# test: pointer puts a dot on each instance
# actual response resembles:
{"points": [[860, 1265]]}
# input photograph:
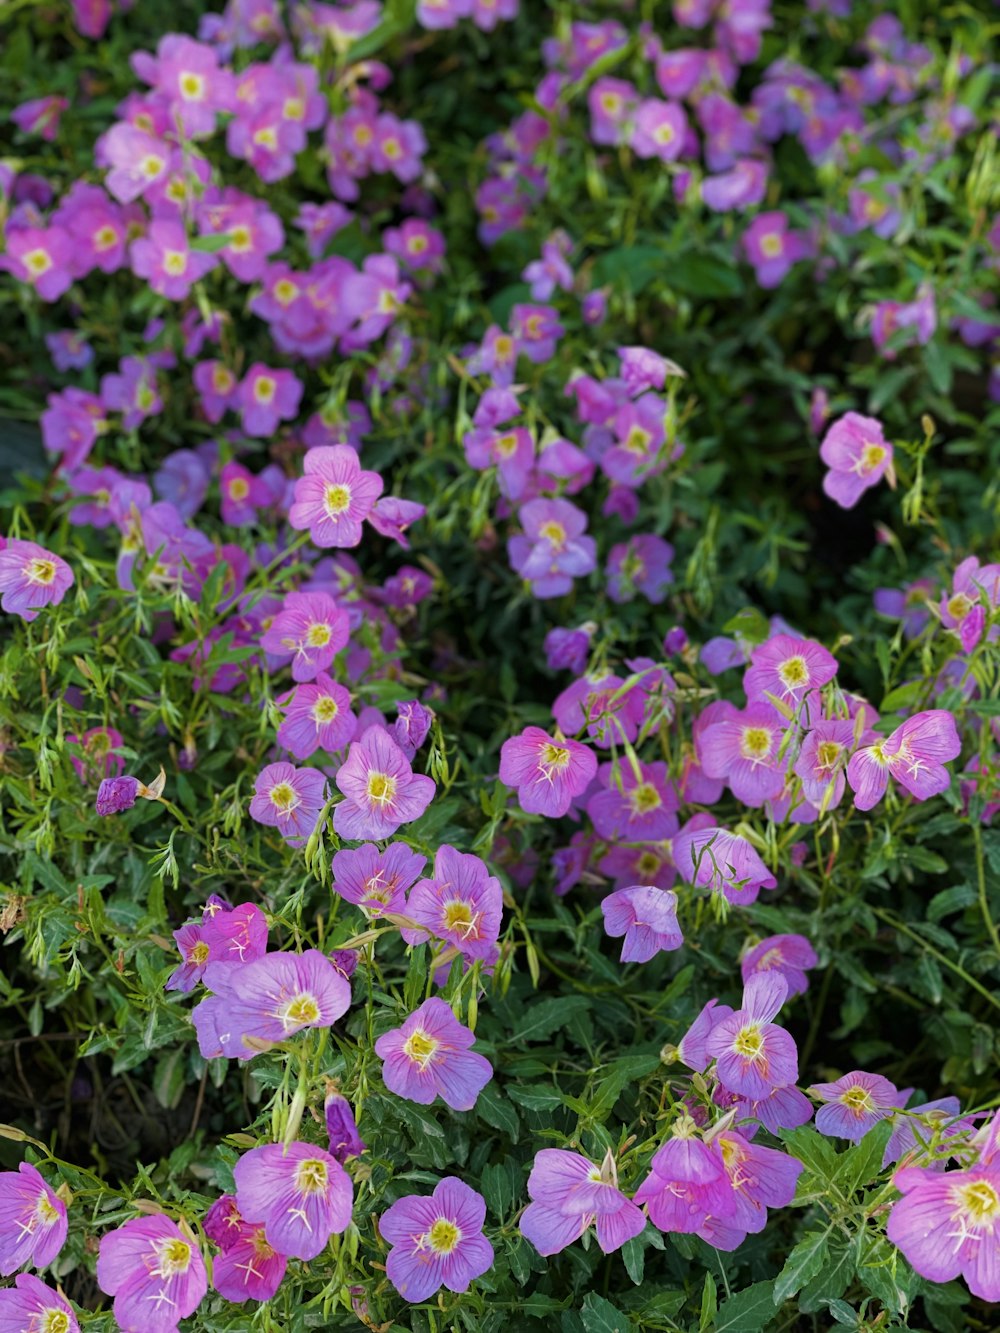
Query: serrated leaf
{"points": [[748, 1311], [816, 1153]]}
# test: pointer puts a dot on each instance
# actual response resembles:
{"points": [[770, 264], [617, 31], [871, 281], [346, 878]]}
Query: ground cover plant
{"points": [[500, 688]]}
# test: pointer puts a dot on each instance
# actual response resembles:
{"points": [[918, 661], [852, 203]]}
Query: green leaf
{"points": [[804, 1262], [500, 1186], [702, 275], [498, 1112], [538, 1306], [600, 1316], [833, 1278], [750, 624], [709, 1303], [816, 1153], [861, 1164], [168, 1078], [548, 1016], [748, 1311]]}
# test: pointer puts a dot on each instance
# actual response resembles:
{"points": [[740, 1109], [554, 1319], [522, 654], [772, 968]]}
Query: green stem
{"points": [[936, 953], [984, 902]]}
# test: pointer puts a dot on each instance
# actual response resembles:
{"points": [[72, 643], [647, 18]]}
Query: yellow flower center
{"points": [[318, 635], [240, 240], [324, 710], [664, 134], [871, 456], [303, 1009], [264, 388], [311, 1176], [392, 149], [105, 238], [504, 347], [198, 953], [857, 1100], [239, 488], [46, 1213], [420, 1048], [173, 1257], [959, 606], [417, 245], [979, 1202], [336, 500], [192, 86], [771, 244], [554, 532], [794, 672], [266, 137], [151, 165], [37, 262], [285, 291], [506, 446], [827, 752], [644, 798], [459, 917], [553, 757], [381, 787], [174, 262], [294, 108], [648, 864], [749, 1042], [755, 742], [443, 1236], [51, 1321], [40, 571], [283, 796], [637, 442]]}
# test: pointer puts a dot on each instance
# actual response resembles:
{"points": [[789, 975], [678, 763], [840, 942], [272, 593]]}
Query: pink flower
{"points": [[858, 456], [40, 257], [761, 1178], [915, 755], [98, 757], [723, 862], [334, 496], [568, 1194], [659, 130], [380, 788], [753, 1056], [247, 1268], [547, 773], [164, 258], [31, 1306], [822, 761], [155, 1272], [311, 629], [32, 1220], [267, 1000], [317, 717], [288, 799], [788, 668], [216, 385], [772, 249], [429, 1057], [235, 936], [647, 917], [638, 804], [745, 749], [553, 550], [376, 881], [462, 904], [854, 1103], [948, 1225], [789, 955], [687, 1183], [31, 577], [266, 397], [975, 593], [40, 116], [298, 1192], [436, 1241]]}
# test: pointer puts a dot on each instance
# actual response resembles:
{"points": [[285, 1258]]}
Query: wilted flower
{"points": [[647, 917], [345, 1141]]}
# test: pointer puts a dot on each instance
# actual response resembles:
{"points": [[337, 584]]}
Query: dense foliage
{"points": [[500, 685]]}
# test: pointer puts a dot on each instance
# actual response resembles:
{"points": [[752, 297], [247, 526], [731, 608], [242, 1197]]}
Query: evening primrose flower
{"points": [[568, 1194], [788, 668], [310, 629], [788, 955], [298, 1192], [317, 716], [333, 496], [947, 1225], [854, 1103], [32, 1220], [248, 1268], [547, 772], [32, 1307], [374, 880], [236, 936], [381, 790], [647, 917], [858, 456], [761, 1178], [753, 1056], [267, 1000], [31, 577], [915, 755], [436, 1240], [429, 1057], [155, 1272], [687, 1182], [462, 903], [289, 799]]}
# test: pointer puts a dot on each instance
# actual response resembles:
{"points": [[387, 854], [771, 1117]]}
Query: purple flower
{"points": [[568, 1194], [164, 258], [643, 369], [915, 755], [436, 1241], [380, 788], [288, 799], [723, 862], [376, 881], [236, 936], [822, 761], [317, 716], [854, 1103], [553, 550], [788, 668], [411, 726], [693, 1046], [948, 1225], [248, 1267], [640, 565], [761, 1178], [547, 773], [41, 257], [914, 1129], [32, 1307], [333, 496], [342, 1128], [567, 649], [32, 1220], [267, 1000], [647, 917], [266, 397], [772, 249], [659, 130], [858, 456], [155, 1272], [638, 804], [745, 750], [311, 629], [741, 187], [117, 794], [753, 1056], [298, 1192], [31, 577], [429, 1057], [391, 516], [687, 1182], [69, 350], [462, 904], [975, 592], [788, 955], [97, 758]]}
